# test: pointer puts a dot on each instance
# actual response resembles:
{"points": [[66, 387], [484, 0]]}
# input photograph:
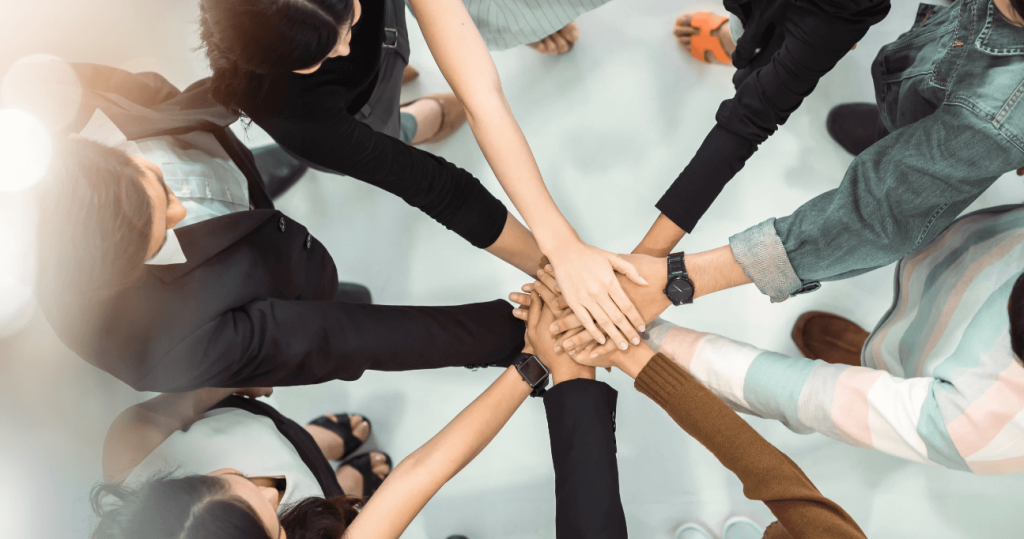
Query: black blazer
{"points": [[254, 305], [581, 422]]}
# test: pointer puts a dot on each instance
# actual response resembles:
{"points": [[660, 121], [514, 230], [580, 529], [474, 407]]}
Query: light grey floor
{"points": [[611, 124]]}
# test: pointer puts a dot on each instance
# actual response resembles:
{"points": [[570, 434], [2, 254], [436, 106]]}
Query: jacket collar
{"points": [[205, 239]]}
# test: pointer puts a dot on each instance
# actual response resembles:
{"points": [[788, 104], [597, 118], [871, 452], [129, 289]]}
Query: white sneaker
{"points": [[741, 528], [692, 530]]}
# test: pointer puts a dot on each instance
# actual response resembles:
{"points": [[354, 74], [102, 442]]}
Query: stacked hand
{"points": [[539, 315], [650, 301]]}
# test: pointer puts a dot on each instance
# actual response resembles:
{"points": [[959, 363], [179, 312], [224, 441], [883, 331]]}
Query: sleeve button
{"points": [[309, 241], [280, 224]]}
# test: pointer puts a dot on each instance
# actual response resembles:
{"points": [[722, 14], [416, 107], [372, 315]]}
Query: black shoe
{"points": [[855, 126], [280, 170], [458, 537], [353, 293]]}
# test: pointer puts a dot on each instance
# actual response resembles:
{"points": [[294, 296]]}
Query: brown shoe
{"points": [[829, 337], [409, 74], [452, 116]]}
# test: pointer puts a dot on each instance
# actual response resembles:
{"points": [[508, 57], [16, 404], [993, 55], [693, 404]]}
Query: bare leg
{"points": [[428, 118]]}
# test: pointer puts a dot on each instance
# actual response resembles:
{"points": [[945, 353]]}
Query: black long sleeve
{"points": [[808, 40], [320, 131], [581, 422]]}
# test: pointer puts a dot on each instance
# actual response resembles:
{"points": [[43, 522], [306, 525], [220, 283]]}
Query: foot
{"points": [[351, 480], [692, 530], [855, 126], [684, 32], [332, 446], [829, 337], [437, 117], [559, 42], [741, 528]]}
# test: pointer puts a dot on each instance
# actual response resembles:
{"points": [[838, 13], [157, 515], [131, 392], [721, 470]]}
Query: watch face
{"points": [[680, 291]]}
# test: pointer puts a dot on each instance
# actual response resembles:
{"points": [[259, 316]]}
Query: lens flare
{"points": [[25, 148], [44, 86]]}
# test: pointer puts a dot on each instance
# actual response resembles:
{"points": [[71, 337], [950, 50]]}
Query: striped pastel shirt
{"points": [[509, 23], [939, 382]]}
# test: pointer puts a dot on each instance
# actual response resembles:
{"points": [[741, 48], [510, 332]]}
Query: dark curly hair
{"points": [[201, 507], [246, 40]]}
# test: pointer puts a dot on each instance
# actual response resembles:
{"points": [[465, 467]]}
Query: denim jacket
{"points": [[948, 90]]}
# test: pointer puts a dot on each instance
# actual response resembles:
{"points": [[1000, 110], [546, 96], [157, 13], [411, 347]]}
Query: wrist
{"points": [[635, 360], [554, 244], [573, 373]]}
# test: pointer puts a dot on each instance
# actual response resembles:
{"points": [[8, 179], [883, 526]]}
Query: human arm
{"points": [[922, 419], [281, 343], [766, 473], [769, 88], [585, 273], [139, 429], [890, 203], [420, 475]]}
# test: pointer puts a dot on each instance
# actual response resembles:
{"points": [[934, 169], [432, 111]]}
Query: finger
{"points": [[548, 278], [616, 322], [685, 20], [522, 314], [620, 265], [621, 300], [585, 318], [522, 299], [605, 324], [567, 335], [594, 351], [561, 44], [566, 323], [571, 32], [549, 45], [576, 339], [545, 294], [533, 317]]}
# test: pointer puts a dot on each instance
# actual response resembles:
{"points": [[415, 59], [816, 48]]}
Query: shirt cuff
{"points": [[759, 251]]}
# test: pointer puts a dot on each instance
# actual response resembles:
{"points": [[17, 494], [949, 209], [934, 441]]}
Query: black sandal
{"points": [[343, 428], [371, 481]]}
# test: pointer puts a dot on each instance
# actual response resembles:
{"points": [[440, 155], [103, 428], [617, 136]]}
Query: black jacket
{"points": [[581, 422], [254, 305], [785, 49]]}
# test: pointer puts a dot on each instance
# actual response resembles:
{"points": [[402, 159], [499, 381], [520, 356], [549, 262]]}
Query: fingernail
{"points": [[572, 352], [569, 344], [553, 328], [558, 349], [641, 328], [623, 346], [642, 280], [636, 340], [600, 340], [593, 355], [540, 272]]}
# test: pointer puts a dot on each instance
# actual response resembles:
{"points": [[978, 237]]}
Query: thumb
{"points": [[627, 269]]}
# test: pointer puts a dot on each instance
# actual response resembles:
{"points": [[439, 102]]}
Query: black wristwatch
{"points": [[533, 372], [679, 288]]}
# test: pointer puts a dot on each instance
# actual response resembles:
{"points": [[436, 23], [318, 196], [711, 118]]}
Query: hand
{"points": [[586, 279], [650, 301], [538, 335], [630, 361], [254, 392]]}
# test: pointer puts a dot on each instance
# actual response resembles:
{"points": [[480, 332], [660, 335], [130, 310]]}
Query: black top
{"points": [[799, 43], [311, 116], [581, 423]]}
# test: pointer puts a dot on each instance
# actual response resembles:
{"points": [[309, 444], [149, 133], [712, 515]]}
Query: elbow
{"points": [[483, 98]]}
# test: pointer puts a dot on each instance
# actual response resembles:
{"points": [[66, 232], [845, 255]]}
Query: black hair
{"points": [[245, 40], [96, 221], [1018, 6], [202, 507], [1015, 309]]}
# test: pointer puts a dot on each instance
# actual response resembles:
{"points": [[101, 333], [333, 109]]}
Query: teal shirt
{"points": [[949, 90]]}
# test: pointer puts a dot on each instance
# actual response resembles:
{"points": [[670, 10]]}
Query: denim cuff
{"points": [[759, 251]]}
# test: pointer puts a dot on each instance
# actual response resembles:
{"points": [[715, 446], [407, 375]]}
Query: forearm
{"points": [[517, 246], [766, 473], [420, 475], [661, 239], [183, 409], [466, 64]]}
